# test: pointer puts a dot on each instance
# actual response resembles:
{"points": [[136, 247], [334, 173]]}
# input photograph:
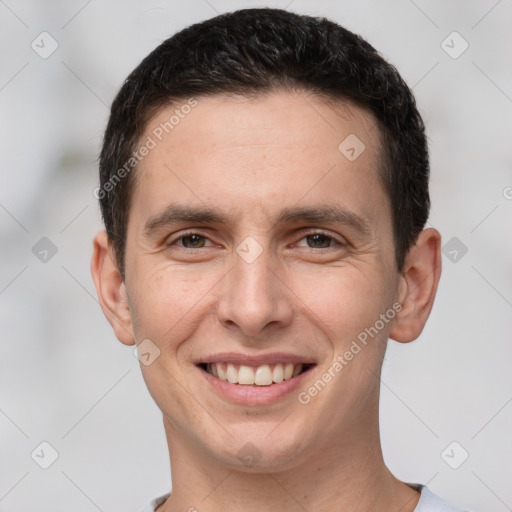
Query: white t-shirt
{"points": [[429, 502]]}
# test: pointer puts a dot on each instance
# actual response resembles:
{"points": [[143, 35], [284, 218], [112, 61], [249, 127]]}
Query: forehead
{"points": [[273, 150]]}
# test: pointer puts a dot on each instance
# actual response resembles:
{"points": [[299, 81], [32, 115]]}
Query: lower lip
{"points": [[254, 395]]}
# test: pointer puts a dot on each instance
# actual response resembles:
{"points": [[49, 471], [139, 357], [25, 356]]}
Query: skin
{"points": [[249, 159]]}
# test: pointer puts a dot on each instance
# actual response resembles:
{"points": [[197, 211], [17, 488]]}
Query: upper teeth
{"points": [[262, 375]]}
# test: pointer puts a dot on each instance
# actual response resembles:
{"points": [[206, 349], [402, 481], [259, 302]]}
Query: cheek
{"points": [[165, 300], [344, 300]]}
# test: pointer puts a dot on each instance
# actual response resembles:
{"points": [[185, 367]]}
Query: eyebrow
{"points": [[324, 214], [327, 214], [176, 213]]}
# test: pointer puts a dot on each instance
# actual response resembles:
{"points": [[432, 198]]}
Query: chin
{"points": [[257, 448]]}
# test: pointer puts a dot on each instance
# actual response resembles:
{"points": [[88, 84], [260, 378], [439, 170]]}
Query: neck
{"points": [[349, 474]]}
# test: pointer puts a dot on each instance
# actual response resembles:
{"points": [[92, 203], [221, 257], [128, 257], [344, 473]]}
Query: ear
{"points": [[417, 287], [111, 289]]}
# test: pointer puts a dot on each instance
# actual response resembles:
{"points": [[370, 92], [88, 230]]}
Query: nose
{"points": [[254, 299]]}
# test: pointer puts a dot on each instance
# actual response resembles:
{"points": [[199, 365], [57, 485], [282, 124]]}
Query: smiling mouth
{"points": [[263, 375]]}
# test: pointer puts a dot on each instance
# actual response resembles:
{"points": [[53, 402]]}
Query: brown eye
{"points": [[319, 241], [193, 241]]}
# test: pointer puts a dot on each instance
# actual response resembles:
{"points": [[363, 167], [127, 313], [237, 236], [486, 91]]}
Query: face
{"points": [[260, 251]]}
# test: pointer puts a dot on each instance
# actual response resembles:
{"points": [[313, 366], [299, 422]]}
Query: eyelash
{"points": [[185, 234]]}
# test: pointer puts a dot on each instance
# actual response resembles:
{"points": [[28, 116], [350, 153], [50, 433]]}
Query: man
{"points": [[264, 187]]}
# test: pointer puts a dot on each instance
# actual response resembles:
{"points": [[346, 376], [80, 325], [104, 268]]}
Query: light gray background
{"points": [[66, 380]]}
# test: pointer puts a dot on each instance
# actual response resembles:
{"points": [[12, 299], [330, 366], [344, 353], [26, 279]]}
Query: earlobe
{"points": [[418, 286], [111, 289]]}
